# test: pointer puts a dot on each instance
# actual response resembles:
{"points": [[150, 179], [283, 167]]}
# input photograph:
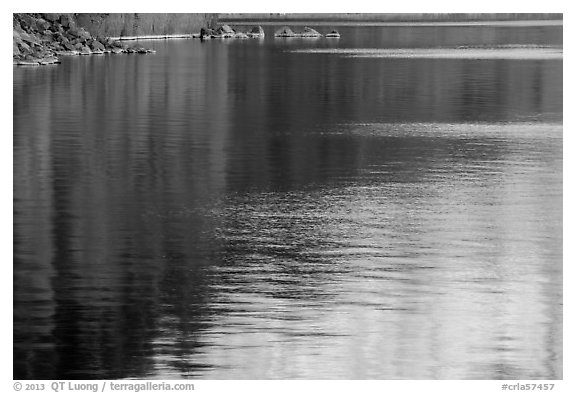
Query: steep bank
{"points": [[121, 25], [38, 39]]}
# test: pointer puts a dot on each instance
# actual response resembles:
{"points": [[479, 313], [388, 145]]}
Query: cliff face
{"points": [[39, 39], [121, 25]]}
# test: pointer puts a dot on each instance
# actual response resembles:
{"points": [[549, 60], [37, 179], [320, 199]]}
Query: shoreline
{"points": [[155, 37], [41, 39]]}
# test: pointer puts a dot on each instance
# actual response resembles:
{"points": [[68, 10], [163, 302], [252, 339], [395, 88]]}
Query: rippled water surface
{"points": [[277, 209]]}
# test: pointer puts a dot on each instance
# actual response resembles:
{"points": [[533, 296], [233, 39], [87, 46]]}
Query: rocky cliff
{"points": [[40, 39], [120, 25]]}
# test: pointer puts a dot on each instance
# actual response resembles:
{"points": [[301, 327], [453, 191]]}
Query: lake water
{"points": [[387, 205]]}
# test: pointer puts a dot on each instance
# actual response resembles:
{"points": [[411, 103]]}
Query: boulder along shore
{"points": [[39, 39]]}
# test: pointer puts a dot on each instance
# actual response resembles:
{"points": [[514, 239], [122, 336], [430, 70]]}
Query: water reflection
{"points": [[307, 216]]}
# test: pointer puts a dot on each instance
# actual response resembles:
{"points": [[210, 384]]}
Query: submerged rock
{"points": [[49, 60], [72, 52], [26, 62], [37, 62]]}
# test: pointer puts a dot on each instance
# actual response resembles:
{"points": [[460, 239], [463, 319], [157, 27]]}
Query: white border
{"points": [[6, 382]]}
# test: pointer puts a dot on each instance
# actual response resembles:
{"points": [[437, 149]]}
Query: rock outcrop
{"points": [[144, 24], [333, 34], [39, 39], [256, 32], [226, 31], [284, 32], [307, 32]]}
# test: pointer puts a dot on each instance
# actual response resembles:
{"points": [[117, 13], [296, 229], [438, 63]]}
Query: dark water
{"points": [[278, 209]]}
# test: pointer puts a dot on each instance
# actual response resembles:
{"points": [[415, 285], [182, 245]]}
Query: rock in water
{"points": [[309, 32], [284, 32], [256, 32], [224, 31], [333, 34]]}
